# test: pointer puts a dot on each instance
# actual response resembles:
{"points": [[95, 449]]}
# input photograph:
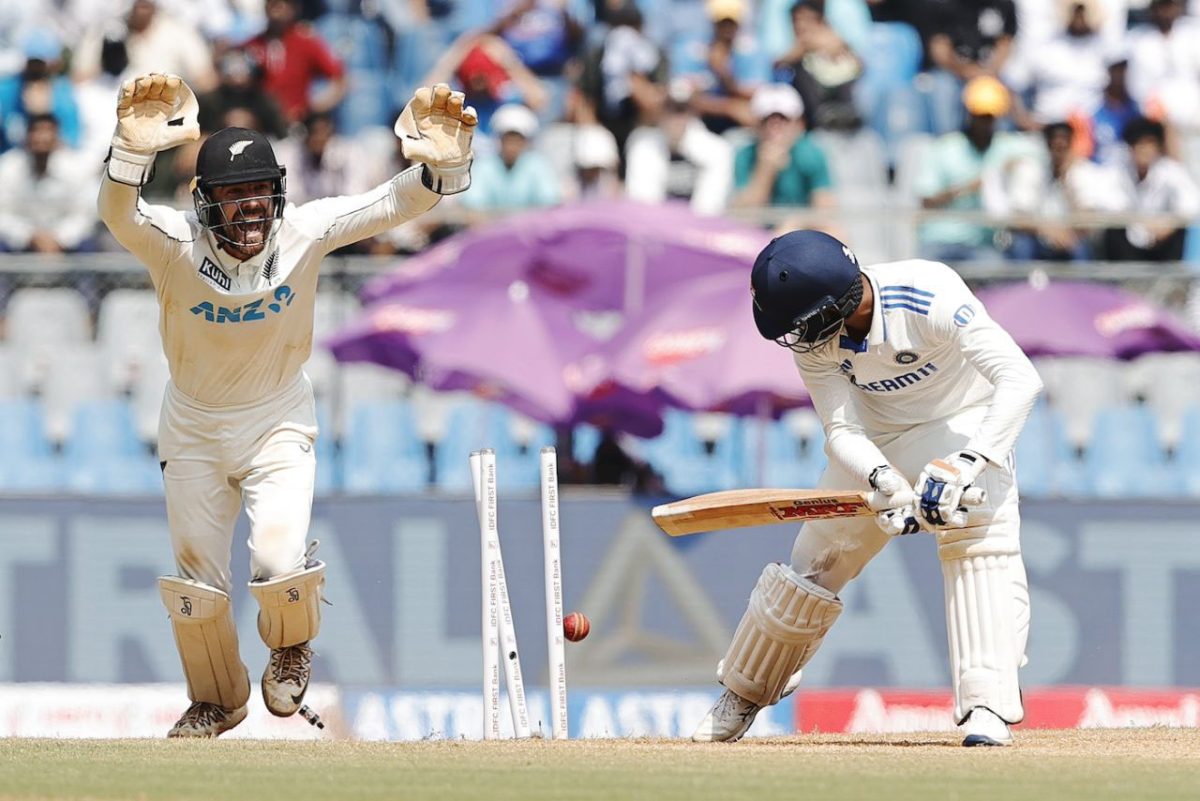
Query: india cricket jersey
{"points": [[931, 353]]}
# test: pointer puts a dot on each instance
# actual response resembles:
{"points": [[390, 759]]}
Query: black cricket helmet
{"points": [[804, 285], [236, 156]]}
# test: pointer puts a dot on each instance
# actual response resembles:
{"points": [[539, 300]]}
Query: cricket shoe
{"points": [[203, 719], [285, 680], [730, 718], [984, 727]]}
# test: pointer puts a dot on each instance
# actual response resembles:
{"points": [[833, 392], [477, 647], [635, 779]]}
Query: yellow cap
{"points": [[986, 96], [725, 9]]}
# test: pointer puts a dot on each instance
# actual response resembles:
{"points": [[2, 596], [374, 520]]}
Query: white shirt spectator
{"points": [[1165, 70], [1168, 188], [166, 45], [53, 203], [699, 169], [1067, 74], [1032, 189]]}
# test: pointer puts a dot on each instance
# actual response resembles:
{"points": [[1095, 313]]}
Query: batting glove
{"points": [[436, 128], [893, 498], [941, 486], [155, 112]]}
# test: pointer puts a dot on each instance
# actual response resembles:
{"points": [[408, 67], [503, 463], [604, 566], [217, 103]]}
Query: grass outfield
{"points": [[1141, 764]]}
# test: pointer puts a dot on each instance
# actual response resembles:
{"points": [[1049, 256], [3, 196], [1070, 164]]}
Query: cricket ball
{"points": [[576, 626]]}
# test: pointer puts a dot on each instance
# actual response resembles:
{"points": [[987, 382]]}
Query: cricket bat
{"points": [[760, 507]]}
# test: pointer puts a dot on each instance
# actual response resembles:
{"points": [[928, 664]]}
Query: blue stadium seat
{"points": [[1186, 462], [29, 464], [688, 465], [104, 454], [473, 425], [584, 440], [1044, 460], [1125, 458], [771, 454], [329, 473], [381, 452]]}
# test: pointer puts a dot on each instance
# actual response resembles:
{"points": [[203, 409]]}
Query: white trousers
{"points": [[832, 552], [216, 459]]}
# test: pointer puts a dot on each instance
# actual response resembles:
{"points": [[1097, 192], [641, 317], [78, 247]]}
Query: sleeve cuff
{"points": [[130, 168]]}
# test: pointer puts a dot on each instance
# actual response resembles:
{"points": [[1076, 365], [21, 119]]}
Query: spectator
{"points": [[849, 19], [783, 166], [964, 39], [951, 174], [1164, 64], [490, 73], [1053, 188], [40, 88], [542, 33], [680, 159], [596, 164], [319, 162], [151, 41], [515, 177], [1154, 184], [1067, 74], [822, 68], [293, 59], [42, 209], [1117, 109], [730, 69], [240, 86], [623, 82]]}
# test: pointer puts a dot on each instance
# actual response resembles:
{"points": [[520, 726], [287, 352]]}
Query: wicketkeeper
{"points": [[236, 278], [921, 395]]}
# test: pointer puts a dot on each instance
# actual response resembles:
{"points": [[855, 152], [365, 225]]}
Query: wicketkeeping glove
{"points": [[436, 128], [155, 112], [941, 486], [893, 499]]}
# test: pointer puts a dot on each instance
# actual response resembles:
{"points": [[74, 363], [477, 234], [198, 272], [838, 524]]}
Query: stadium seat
{"points": [[1124, 458], [688, 464], [27, 325], [381, 451], [1045, 463], [29, 463], [127, 332], [104, 454], [1079, 387], [359, 383], [855, 159], [1167, 382], [1186, 461], [146, 396], [77, 375], [885, 94], [474, 424], [10, 373], [775, 454]]}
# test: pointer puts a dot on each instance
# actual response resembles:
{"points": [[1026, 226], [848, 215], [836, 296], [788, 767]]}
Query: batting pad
{"points": [[784, 624], [207, 640], [983, 627], [289, 607]]}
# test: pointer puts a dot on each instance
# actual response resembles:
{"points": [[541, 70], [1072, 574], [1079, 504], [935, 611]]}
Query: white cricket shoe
{"points": [[285, 680], [730, 718], [206, 720], [984, 727]]}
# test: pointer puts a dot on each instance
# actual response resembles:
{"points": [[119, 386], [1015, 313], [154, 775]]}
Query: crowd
{"points": [[1032, 109]]}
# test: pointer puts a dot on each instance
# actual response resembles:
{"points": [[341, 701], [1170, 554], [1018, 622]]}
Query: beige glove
{"points": [[155, 112], [436, 128]]}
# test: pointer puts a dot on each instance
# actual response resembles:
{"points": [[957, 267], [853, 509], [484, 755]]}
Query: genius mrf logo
{"points": [[247, 312], [816, 508]]}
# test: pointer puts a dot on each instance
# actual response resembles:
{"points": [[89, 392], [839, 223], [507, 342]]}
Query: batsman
{"points": [[236, 280], [921, 396]]}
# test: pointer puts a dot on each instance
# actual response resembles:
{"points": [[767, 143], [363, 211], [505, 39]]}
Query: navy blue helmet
{"points": [[804, 285]]}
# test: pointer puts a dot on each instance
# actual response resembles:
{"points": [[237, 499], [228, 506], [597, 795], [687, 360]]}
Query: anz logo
{"points": [[247, 312]]}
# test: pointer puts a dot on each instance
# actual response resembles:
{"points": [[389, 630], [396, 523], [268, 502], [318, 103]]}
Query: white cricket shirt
{"points": [[931, 353], [239, 332]]}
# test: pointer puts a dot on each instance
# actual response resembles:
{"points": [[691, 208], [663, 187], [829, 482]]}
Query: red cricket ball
{"points": [[576, 626]]}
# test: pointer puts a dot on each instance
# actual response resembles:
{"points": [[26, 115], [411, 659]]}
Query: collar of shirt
{"points": [[245, 274]]}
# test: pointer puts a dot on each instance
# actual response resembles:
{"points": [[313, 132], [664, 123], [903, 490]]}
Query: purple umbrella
{"points": [[1076, 318], [601, 256], [516, 345], [701, 351]]}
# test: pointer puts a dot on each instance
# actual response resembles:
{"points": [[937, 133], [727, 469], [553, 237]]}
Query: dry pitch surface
{"points": [[1141, 764]]}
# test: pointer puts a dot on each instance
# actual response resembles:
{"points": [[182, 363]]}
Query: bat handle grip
{"points": [[974, 496]]}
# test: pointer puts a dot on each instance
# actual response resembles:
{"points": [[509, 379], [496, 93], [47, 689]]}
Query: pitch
{"points": [[1145, 764]]}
